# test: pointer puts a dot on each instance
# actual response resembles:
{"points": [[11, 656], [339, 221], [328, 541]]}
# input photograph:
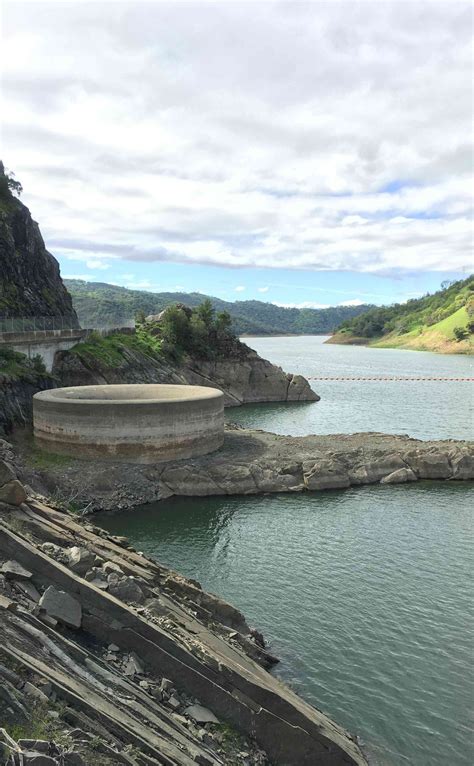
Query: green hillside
{"points": [[443, 321], [98, 305]]}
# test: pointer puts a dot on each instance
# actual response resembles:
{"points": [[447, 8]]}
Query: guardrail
{"points": [[33, 324]]}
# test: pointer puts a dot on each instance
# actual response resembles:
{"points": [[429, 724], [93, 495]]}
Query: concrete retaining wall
{"points": [[132, 423]]}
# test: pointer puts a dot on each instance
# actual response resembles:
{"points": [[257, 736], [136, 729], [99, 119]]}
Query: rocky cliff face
{"points": [[16, 398], [30, 282], [243, 377]]}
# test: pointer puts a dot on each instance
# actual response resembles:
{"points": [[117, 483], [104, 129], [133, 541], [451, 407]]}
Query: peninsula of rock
{"points": [[252, 462]]}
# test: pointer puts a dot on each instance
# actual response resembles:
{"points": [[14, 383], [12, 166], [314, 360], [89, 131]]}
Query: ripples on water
{"points": [[365, 593], [424, 409]]}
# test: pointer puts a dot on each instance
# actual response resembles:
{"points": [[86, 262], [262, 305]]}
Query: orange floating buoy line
{"points": [[384, 379]]}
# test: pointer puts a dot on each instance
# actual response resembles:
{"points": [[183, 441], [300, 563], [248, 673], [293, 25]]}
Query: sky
{"points": [[304, 153]]}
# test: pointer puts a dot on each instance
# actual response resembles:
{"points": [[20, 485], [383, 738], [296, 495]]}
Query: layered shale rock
{"points": [[177, 679]]}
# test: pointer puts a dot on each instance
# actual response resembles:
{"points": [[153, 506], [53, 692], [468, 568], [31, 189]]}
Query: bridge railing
{"points": [[30, 324], [45, 323]]}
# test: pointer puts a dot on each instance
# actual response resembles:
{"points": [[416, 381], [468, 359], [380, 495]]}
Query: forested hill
{"points": [[99, 305], [442, 321]]}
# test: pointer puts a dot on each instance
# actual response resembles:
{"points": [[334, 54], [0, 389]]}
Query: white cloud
{"points": [[187, 137], [353, 302], [240, 288], [304, 305], [263, 289]]}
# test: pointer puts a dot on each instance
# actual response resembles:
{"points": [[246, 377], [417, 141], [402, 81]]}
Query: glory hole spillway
{"points": [[141, 423]]}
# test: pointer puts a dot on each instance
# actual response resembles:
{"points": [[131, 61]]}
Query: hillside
{"points": [[30, 283], [442, 322], [99, 304]]}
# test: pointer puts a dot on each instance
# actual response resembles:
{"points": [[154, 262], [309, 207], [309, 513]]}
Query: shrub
{"points": [[38, 364], [460, 333]]}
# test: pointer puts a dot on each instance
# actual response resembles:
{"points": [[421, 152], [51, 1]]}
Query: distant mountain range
{"points": [[99, 305]]}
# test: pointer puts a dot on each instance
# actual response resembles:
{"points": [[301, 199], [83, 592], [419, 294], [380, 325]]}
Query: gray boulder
{"points": [[463, 465], [429, 465], [374, 471], [14, 570], [399, 477], [79, 560], [32, 691], [201, 714], [12, 493], [133, 665], [127, 590], [325, 474], [61, 606], [6, 473]]}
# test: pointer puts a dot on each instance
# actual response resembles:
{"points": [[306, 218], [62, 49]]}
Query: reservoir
{"points": [[364, 594]]}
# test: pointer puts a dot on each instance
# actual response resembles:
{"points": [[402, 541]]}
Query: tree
{"points": [[8, 184], [140, 317], [206, 311], [223, 322]]}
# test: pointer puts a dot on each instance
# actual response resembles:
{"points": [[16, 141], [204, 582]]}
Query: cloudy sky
{"points": [[301, 153]]}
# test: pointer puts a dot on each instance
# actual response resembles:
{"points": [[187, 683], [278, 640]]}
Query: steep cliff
{"points": [[30, 282]]}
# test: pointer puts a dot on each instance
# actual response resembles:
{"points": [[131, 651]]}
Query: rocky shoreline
{"points": [[250, 462], [107, 658]]}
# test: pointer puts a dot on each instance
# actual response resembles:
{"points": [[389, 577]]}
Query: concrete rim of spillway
{"points": [[130, 422], [123, 394]]}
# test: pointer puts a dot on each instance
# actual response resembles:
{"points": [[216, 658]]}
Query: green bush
{"points": [[460, 333]]}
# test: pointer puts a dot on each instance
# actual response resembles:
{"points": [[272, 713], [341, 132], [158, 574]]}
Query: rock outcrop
{"points": [[243, 375], [30, 282], [255, 462], [249, 378], [16, 398], [178, 679]]}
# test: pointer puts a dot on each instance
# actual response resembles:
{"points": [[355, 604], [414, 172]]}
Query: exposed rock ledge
{"points": [[240, 373], [256, 462], [119, 660]]}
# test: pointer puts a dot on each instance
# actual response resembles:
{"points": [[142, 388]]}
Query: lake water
{"points": [[364, 594], [425, 409]]}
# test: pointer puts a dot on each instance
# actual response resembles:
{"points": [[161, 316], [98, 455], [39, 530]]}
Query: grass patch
{"points": [[38, 458], [109, 350], [41, 725], [446, 326]]}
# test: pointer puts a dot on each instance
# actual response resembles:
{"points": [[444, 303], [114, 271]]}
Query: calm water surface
{"points": [[427, 410], [365, 594]]}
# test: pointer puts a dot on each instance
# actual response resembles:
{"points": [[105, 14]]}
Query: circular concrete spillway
{"points": [[131, 423]]}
